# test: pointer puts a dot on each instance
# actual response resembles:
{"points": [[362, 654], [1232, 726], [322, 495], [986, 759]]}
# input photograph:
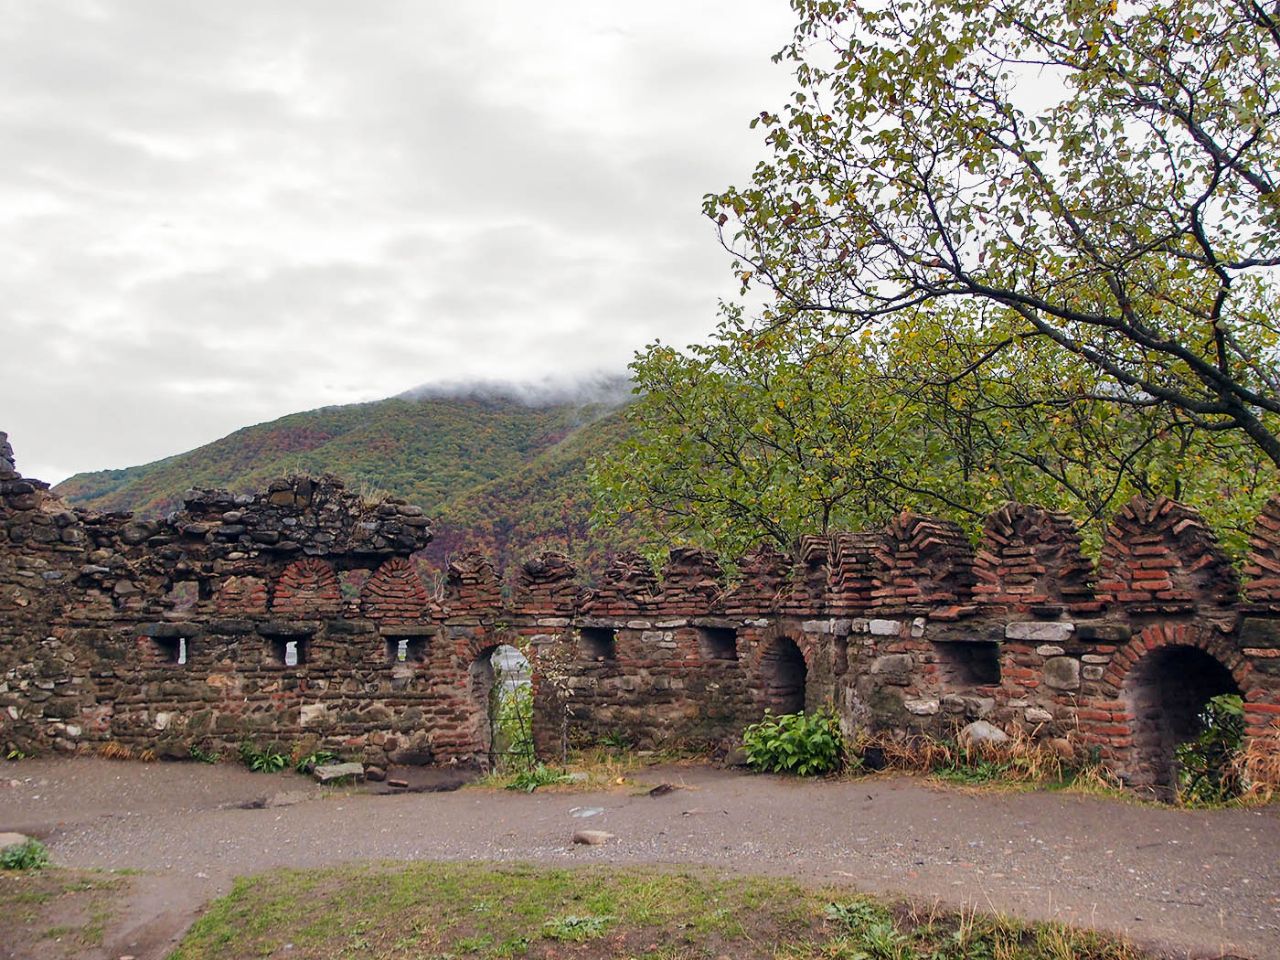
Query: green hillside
{"points": [[499, 474]]}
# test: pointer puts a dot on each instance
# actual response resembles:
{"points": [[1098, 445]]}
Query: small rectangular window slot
{"points": [[406, 649], [170, 650], [969, 663], [599, 643], [290, 653], [718, 643]]}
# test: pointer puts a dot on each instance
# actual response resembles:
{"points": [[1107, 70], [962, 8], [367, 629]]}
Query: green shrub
{"points": [[204, 754], [307, 763], [1208, 771], [513, 726], [539, 776], [576, 929], [28, 855], [269, 759], [807, 744]]}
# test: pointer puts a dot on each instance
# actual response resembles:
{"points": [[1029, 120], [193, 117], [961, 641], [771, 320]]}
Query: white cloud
{"points": [[215, 214]]}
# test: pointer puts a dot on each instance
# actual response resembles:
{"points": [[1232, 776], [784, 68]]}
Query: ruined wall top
{"points": [[8, 468], [215, 534], [1158, 559]]}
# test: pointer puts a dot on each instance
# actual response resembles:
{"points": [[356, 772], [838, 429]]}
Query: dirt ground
{"points": [[1202, 883]]}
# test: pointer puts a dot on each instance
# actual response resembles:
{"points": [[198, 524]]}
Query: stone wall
{"points": [[165, 634]]}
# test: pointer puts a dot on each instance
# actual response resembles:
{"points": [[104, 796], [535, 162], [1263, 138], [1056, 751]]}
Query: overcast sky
{"points": [[216, 213]]}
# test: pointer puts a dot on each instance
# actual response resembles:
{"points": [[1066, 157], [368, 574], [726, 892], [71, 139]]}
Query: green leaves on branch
{"points": [[1105, 174], [773, 433]]}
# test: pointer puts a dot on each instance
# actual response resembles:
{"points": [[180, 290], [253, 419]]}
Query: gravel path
{"points": [[1200, 883]]}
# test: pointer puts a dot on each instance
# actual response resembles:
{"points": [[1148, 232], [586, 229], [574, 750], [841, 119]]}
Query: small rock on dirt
{"points": [[330, 772], [12, 839], [661, 790], [737, 757], [376, 774], [592, 838]]}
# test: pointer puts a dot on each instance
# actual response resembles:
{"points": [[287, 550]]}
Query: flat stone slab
{"points": [[339, 771]]}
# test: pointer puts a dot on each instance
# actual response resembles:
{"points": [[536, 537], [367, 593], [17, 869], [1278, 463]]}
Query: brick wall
{"points": [[906, 629]]}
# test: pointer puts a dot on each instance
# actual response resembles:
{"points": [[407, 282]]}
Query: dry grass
{"points": [[114, 751], [1259, 764], [111, 750], [1019, 760]]}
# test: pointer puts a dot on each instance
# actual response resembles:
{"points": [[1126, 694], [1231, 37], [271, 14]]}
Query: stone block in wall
{"points": [[1260, 632], [896, 669], [1040, 631], [1062, 673]]}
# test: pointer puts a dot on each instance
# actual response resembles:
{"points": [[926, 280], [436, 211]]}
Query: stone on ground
{"points": [[12, 840], [339, 771], [592, 838], [982, 734]]}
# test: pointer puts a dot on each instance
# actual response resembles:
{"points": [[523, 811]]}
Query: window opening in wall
{"points": [[718, 643], [406, 649], [171, 650], [783, 670], [501, 686], [290, 653], [599, 643], [969, 663]]}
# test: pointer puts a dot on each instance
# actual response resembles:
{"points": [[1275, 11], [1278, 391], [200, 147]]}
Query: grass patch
{"points": [[57, 911], [446, 910], [587, 770]]}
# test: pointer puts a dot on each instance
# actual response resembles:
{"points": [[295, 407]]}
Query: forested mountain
{"points": [[501, 472]]}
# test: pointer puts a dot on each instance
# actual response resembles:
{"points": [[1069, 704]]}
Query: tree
{"points": [[789, 431], [1103, 177]]}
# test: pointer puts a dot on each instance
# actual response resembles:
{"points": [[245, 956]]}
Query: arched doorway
{"points": [[783, 672], [502, 693], [1165, 693]]}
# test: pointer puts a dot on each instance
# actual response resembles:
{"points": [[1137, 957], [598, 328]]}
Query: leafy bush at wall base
{"points": [[28, 855], [1208, 767], [269, 759], [807, 744]]}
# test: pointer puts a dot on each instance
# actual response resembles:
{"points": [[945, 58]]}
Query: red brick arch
{"points": [[307, 588], [782, 679], [395, 593], [1136, 719]]}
